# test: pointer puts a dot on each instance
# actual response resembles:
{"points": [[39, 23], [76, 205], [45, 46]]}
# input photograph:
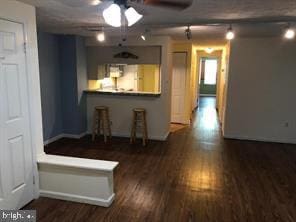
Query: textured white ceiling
{"points": [[70, 16]]}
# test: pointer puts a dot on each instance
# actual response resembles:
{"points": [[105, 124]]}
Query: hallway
{"points": [[194, 176]]}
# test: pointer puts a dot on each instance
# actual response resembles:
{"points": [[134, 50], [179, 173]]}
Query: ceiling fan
{"points": [[113, 13]]}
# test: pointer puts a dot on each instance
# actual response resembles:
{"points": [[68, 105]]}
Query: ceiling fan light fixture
{"points": [[132, 16], [112, 15]]}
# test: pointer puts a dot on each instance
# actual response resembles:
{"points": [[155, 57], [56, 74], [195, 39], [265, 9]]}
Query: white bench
{"points": [[76, 179]]}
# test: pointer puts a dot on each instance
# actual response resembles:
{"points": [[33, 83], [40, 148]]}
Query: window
{"points": [[210, 71]]}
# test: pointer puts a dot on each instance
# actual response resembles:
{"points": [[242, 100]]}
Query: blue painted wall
{"points": [[74, 110], [63, 78], [50, 82]]}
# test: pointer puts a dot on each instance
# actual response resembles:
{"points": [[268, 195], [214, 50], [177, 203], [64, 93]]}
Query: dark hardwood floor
{"points": [[195, 175]]}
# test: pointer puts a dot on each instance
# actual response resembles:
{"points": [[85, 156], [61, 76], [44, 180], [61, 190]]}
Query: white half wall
{"points": [[261, 90], [76, 179]]}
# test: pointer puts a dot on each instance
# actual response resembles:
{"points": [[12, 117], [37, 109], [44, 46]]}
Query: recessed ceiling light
{"points": [[230, 34], [95, 2], [101, 36], [209, 50], [290, 33]]}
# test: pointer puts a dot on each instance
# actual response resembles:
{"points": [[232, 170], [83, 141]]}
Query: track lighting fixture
{"points": [[230, 33], [95, 2], [144, 35], [188, 33], [289, 33]]}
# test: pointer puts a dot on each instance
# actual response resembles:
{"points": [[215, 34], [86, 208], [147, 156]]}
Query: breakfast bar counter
{"points": [[123, 93]]}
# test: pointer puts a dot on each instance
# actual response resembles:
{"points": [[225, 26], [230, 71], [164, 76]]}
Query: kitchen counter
{"points": [[123, 93]]}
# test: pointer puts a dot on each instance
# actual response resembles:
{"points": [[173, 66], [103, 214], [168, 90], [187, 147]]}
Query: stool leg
{"points": [[145, 134], [95, 125], [104, 125], [133, 131], [142, 121], [109, 124]]}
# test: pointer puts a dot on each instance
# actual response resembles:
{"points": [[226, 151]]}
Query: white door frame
{"points": [[31, 94]]}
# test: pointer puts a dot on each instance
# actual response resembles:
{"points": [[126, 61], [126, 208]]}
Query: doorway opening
{"points": [[208, 76]]}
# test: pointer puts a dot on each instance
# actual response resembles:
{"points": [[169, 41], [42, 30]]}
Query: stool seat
{"points": [[139, 122], [101, 122], [139, 110], [101, 107]]}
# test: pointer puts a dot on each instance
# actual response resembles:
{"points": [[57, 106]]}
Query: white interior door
{"points": [[16, 163], [178, 87]]}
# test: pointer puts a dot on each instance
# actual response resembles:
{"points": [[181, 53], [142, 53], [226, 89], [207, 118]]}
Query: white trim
{"points": [[259, 139], [74, 162], [204, 95], [77, 198], [159, 138], [64, 135], [74, 136], [53, 139]]}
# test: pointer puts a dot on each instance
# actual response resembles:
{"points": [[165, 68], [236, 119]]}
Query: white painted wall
{"points": [[158, 109], [25, 14], [261, 90]]}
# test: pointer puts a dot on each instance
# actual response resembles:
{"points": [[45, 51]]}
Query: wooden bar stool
{"points": [[139, 122], [101, 122]]}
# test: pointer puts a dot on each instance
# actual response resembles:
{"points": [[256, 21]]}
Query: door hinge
{"points": [[34, 180], [25, 47]]}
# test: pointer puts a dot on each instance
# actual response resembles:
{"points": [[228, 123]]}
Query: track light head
{"points": [[230, 33], [101, 36], [289, 33], [188, 33]]}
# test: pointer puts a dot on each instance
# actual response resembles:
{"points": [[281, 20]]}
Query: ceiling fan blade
{"points": [[177, 5]]}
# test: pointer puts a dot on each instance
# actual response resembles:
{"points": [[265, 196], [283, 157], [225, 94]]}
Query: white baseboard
{"points": [[151, 137], [72, 136], [77, 198], [64, 135], [204, 95], [53, 139], [258, 139]]}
